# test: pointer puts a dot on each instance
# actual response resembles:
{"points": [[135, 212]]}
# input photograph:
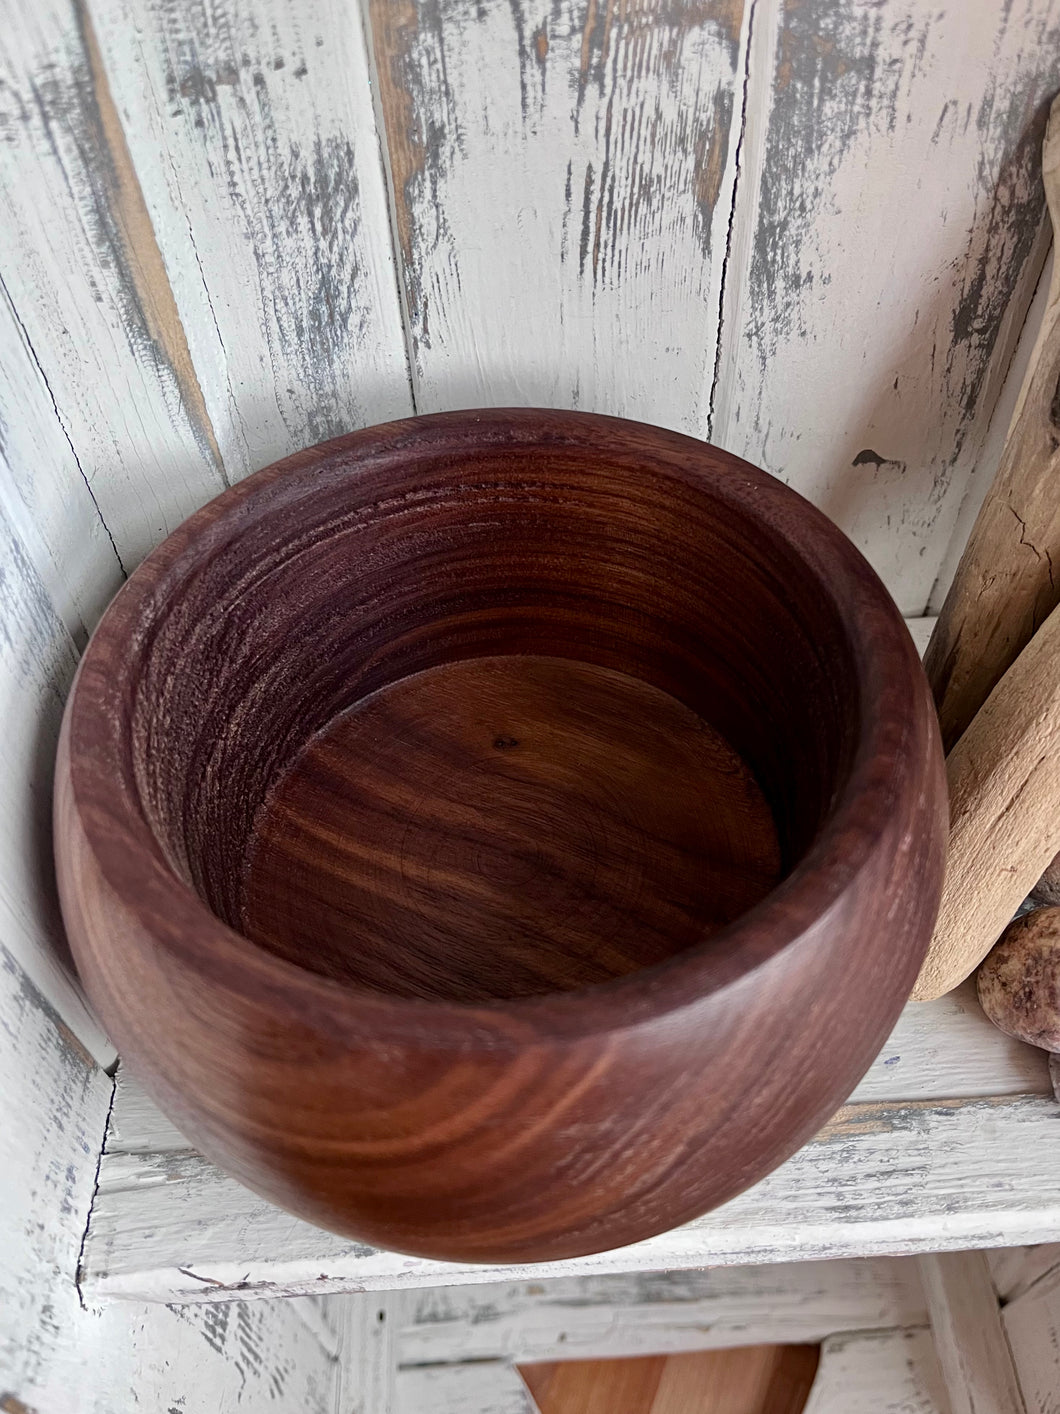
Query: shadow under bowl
{"points": [[501, 835]]}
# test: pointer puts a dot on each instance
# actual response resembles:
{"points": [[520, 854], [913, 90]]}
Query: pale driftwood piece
{"points": [[1004, 782], [882, 1179], [1032, 1325], [970, 1342], [659, 1313], [878, 1372], [1005, 586], [869, 385]]}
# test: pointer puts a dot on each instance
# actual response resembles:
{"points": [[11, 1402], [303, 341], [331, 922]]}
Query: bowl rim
{"points": [[893, 695]]}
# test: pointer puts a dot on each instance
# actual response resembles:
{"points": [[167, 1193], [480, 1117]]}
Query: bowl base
{"points": [[505, 827]]}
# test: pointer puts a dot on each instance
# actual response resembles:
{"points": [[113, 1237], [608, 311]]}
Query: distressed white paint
{"points": [[251, 129], [37, 663], [886, 241], [919, 1176], [970, 1343], [56, 1357], [1032, 1324], [562, 177], [42, 492], [70, 275], [885, 1372], [368, 1327], [488, 1388], [593, 1318]]}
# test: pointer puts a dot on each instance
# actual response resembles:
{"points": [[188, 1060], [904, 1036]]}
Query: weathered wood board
{"points": [[251, 130], [594, 1318], [56, 1357], [878, 1372], [37, 664], [884, 1177], [885, 245], [562, 179], [85, 284]]}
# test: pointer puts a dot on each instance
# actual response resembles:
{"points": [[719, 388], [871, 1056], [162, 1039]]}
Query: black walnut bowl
{"points": [[501, 835]]}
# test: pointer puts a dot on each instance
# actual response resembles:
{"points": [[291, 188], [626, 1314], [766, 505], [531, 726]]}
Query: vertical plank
{"points": [[37, 664], [251, 128], [84, 282], [886, 243], [368, 1351], [562, 174], [970, 1342]]}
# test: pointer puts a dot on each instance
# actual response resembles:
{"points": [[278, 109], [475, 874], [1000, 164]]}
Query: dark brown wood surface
{"points": [[504, 827], [478, 1025]]}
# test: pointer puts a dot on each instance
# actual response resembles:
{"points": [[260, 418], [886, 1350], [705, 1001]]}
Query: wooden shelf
{"points": [[952, 1140]]}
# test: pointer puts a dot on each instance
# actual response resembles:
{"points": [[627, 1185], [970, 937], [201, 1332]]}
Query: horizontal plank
{"points": [[659, 1313], [491, 1387], [881, 1178]]}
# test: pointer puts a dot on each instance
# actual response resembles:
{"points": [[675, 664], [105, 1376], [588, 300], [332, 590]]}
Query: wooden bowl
{"points": [[504, 835]]}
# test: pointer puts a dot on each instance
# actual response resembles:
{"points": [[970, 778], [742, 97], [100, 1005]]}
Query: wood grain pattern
{"points": [[885, 1179], [562, 179], [501, 1130], [970, 1343], [1032, 1327], [251, 129], [764, 1379], [1004, 783], [84, 282], [505, 827], [1004, 586], [879, 1372], [885, 244], [593, 1318]]}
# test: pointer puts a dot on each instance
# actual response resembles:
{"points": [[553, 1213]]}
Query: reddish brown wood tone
{"points": [[474, 724], [506, 827]]}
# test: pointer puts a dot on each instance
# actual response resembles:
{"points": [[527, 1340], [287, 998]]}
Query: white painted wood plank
{"points": [[887, 1372], [947, 1049], [57, 1357], [86, 287], [37, 664], [562, 178], [251, 128], [487, 1388], [43, 494], [970, 1343], [880, 1179], [1015, 1269], [592, 1318], [886, 242], [368, 1328], [1032, 1324]]}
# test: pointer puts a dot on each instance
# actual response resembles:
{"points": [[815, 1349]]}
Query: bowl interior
{"points": [[490, 725]]}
